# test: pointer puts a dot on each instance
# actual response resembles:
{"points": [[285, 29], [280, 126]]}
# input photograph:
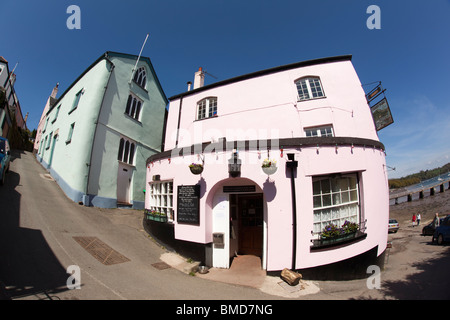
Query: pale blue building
{"points": [[98, 134]]}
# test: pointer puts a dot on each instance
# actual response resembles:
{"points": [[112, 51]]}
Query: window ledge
{"points": [[139, 86], [216, 116], [319, 245], [127, 164], [311, 99], [72, 110], [134, 119]]}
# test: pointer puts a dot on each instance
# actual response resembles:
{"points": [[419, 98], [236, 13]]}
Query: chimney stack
{"points": [[55, 91], [199, 78]]}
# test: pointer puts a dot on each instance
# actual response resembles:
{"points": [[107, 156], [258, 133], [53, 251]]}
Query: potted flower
{"points": [[196, 168], [269, 166]]}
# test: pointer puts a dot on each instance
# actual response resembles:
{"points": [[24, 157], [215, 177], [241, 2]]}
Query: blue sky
{"points": [[409, 54]]}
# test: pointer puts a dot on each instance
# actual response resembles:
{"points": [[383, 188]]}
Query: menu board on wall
{"points": [[188, 200]]}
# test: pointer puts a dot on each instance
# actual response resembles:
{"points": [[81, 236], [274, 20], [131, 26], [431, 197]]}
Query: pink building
{"points": [[50, 102], [311, 121]]}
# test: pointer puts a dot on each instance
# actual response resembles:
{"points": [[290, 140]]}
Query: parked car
{"points": [[429, 229], [5, 157], [393, 225], [442, 232]]}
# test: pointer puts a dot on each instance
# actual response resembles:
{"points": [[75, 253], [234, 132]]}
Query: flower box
{"points": [[333, 235], [337, 239], [155, 216]]}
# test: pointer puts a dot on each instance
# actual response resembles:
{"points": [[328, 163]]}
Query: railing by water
{"points": [[418, 193]]}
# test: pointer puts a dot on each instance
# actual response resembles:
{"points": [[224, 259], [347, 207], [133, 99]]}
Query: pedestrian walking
{"points": [[436, 221], [418, 218], [413, 219]]}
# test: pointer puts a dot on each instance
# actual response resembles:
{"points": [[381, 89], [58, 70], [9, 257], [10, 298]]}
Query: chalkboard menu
{"points": [[188, 204]]}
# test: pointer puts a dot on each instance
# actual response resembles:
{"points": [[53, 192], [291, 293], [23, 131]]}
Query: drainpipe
{"points": [[179, 121], [292, 164], [87, 202]]}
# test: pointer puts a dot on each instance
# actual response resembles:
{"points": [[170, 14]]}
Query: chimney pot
{"points": [[199, 78]]}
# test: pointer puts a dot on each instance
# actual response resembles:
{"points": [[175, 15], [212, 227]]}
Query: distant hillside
{"points": [[418, 177]]}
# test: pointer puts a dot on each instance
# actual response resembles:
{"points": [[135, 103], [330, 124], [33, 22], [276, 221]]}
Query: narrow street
{"points": [[38, 232]]}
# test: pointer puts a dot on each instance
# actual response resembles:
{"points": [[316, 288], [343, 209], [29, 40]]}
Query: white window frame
{"points": [[335, 199], [134, 107], [306, 88], [160, 195], [127, 154], [321, 131], [140, 77], [207, 108]]}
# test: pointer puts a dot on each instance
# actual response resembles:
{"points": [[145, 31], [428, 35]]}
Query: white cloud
{"points": [[419, 139]]}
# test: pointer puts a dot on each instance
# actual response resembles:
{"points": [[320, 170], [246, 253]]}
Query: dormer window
{"points": [[140, 77], [207, 108], [309, 88]]}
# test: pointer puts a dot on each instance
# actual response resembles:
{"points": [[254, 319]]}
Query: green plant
{"points": [[330, 231], [333, 231], [349, 227], [267, 163], [196, 165]]}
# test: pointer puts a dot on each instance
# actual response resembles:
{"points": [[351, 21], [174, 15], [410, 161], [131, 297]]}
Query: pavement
{"points": [[245, 270]]}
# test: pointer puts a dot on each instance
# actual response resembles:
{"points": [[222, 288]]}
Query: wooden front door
{"points": [[251, 217]]}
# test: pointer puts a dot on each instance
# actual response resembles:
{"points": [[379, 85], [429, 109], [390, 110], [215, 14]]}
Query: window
{"points": [[323, 131], [140, 77], [49, 141], [161, 198], [133, 108], [76, 100], [207, 108], [45, 143], [126, 151], [335, 199], [69, 136], [56, 113], [309, 88], [45, 126]]}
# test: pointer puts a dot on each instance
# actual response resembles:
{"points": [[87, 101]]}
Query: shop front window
{"points": [[160, 201]]}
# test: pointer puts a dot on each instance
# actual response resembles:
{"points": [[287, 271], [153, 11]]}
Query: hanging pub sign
{"points": [[374, 93], [188, 200], [381, 114]]}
